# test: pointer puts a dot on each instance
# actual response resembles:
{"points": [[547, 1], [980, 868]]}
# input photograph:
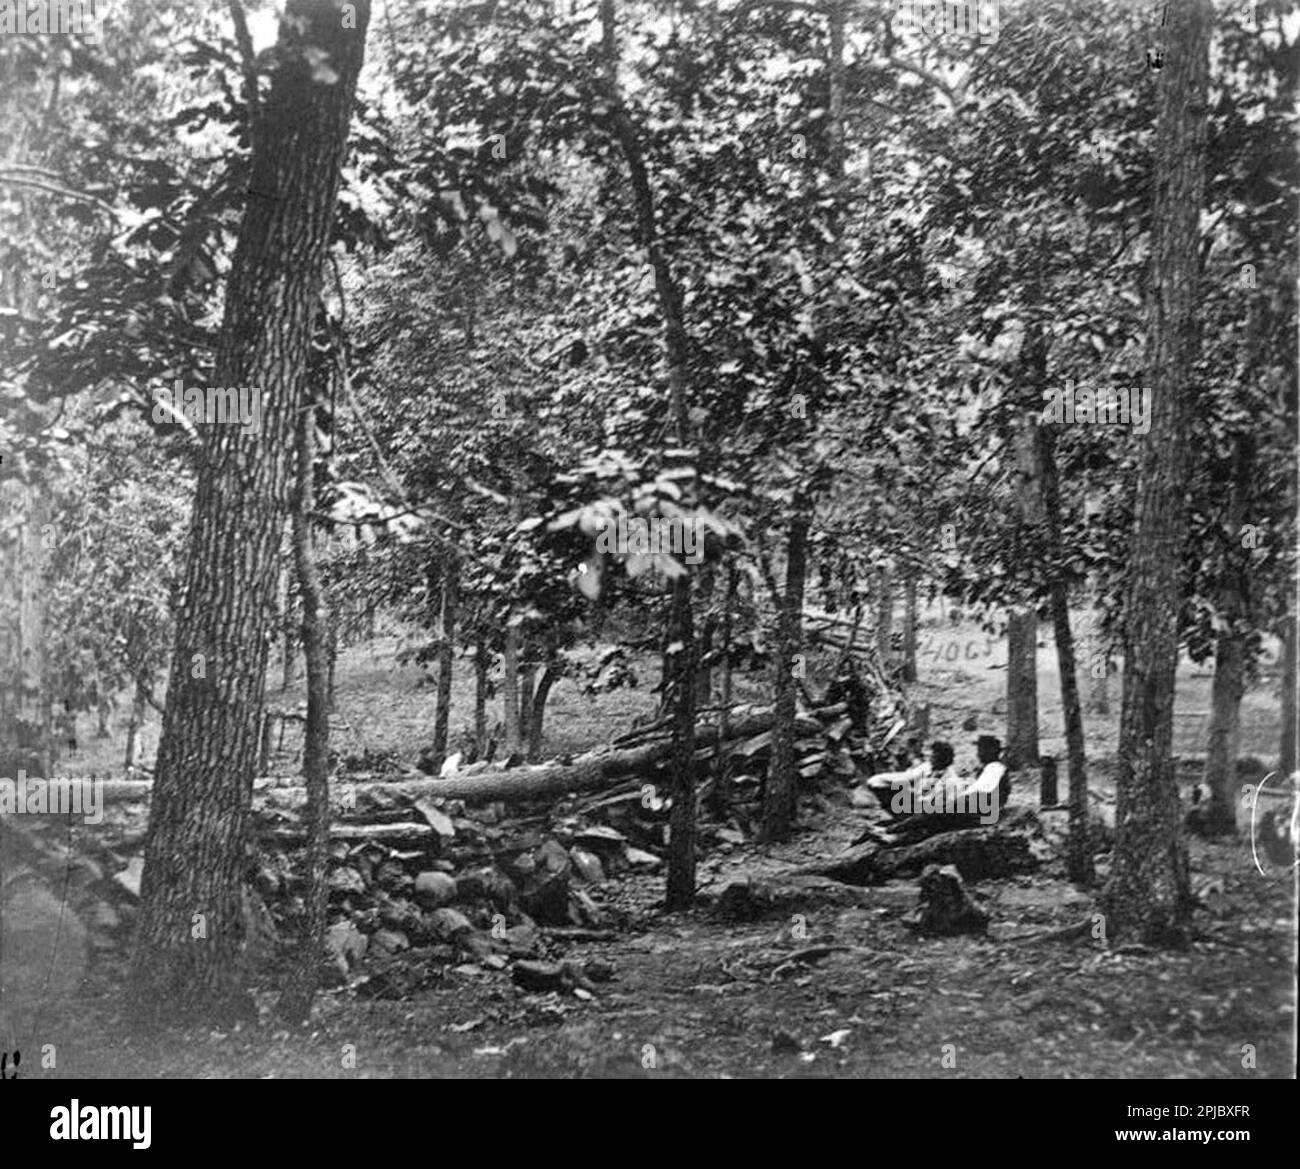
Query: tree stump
{"points": [[946, 908]]}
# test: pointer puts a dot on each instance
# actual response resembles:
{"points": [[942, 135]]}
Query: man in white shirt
{"points": [[895, 789], [993, 776]]}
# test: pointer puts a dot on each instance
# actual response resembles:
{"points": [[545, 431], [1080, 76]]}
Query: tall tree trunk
{"points": [[884, 617], [510, 696], [1147, 898], [446, 654], [186, 958], [1041, 503], [1224, 739], [510, 691], [909, 628], [1079, 848], [780, 794], [681, 820], [300, 990], [721, 793], [1290, 708], [682, 827], [1022, 689], [1022, 624]]}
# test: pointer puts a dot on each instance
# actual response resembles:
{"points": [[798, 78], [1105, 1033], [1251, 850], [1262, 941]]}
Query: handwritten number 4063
{"points": [[951, 651]]}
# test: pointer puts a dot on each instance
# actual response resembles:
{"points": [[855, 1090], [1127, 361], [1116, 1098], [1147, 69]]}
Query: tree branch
{"points": [[36, 180]]}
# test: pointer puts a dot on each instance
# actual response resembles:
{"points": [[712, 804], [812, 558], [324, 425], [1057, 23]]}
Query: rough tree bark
{"points": [[300, 988], [1148, 897], [1022, 689], [186, 957]]}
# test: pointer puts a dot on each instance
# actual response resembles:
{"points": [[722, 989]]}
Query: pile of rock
{"points": [[404, 907]]}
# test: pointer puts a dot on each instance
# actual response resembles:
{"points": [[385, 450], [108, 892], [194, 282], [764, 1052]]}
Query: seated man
{"points": [[993, 774], [889, 787]]}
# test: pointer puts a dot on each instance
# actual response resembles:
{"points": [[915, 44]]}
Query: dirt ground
{"points": [[830, 982]]}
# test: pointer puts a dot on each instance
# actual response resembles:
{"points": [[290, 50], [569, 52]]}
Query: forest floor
{"points": [[831, 983]]}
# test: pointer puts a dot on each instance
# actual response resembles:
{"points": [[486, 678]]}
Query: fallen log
{"points": [[391, 834], [593, 771], [1000, 850]]}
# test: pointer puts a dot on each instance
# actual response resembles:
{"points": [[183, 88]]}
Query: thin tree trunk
{"points": [[780, 794], [480, 697], [781, 791], [1022, 689], [527, 685], [682, 827], [446, 655], [133, 727], [884, 617], [909, 628], [704, 671], [510, 691], [721, 794], [1022, 624], [1079, 864], [1290, 708], [537, 711], [186, 961], [1219, 818], [681, 821], [1148, 896], [296, 1000]]}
